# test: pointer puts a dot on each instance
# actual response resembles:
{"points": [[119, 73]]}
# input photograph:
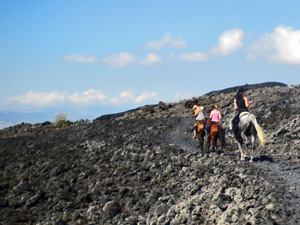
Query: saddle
{"points": [[198, 121], [243, 114]]}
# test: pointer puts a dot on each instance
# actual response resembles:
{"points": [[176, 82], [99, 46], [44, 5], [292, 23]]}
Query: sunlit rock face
{"points": [[144, 167]]}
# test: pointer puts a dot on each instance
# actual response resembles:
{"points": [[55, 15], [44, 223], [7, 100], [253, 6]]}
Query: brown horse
{"points": [[200, 132], [216, 133]]}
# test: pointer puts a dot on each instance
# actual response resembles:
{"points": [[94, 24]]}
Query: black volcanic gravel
{"points": [[144, 167]]}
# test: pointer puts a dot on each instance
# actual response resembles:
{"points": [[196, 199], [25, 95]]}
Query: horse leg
{"points": [[212, 138], [252, 147], [200, 137], [200, 134], [215, 141], [241, 151], [239, 139], [208, 143], [196, 127], [245, 141]]}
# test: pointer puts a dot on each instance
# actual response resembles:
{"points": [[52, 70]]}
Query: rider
{"points": [[215, 117], [241, 104], [198, 113]]}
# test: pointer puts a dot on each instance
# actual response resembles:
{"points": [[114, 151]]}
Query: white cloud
{"points": [[229, 42], [145, 96], [80, 58], [119, 60], [151, 59], [195, 57], [88, 97], [167, 42], [39, 98], [127, 95], [280, 46]]}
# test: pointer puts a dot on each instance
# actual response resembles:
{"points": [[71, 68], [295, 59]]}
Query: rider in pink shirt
{"points": [[215, 115]]}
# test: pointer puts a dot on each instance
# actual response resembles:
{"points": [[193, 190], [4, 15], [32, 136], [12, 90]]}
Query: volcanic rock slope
{"points": [[144, 167]]}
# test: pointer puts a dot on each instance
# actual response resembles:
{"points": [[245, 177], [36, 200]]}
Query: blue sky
{"points": [[90, 58]]}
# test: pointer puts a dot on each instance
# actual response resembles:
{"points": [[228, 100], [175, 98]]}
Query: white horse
{"points": [[248, 127]]}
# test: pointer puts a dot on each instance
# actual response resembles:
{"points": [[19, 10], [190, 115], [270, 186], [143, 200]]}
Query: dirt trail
{"points": [[181, 136], [285, 173]]}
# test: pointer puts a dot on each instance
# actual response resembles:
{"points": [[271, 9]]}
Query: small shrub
{"points": [[61, 120]]}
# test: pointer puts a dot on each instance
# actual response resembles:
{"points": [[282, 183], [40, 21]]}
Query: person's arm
{"points": [[247, 103], [235, 105], [220, 117]]}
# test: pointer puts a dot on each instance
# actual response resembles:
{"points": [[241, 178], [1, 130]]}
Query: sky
{"points": [[87, 58]]}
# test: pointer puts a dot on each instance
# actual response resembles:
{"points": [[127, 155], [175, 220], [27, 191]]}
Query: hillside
{"points": [[144, 167]]}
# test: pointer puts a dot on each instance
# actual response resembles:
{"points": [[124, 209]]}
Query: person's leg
{"points": [[235, 122], [195, 129]]}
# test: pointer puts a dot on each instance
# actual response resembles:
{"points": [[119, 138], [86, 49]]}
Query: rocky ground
{"points": [[144, 167]]}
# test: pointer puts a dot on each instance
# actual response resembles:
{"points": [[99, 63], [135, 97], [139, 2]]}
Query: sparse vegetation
{"points": [[61, 121]]}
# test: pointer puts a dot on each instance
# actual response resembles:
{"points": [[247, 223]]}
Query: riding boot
{"points": [[234, 125], [235, 122], [195, 131]]}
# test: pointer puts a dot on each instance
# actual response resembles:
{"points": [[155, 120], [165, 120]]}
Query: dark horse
{"points": [[248, 127], [200, 132], [216, 132]]}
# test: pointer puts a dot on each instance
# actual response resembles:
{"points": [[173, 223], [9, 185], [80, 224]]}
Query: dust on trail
{"points": [[180, 136], [285, 173]]}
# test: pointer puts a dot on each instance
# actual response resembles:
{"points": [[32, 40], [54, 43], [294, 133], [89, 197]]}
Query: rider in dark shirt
{"points": [[241, 104]]}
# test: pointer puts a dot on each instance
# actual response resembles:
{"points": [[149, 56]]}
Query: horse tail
{"points": [[260, 133]]}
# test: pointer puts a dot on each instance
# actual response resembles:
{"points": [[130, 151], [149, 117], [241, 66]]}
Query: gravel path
{"points": [[285, 173]]}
